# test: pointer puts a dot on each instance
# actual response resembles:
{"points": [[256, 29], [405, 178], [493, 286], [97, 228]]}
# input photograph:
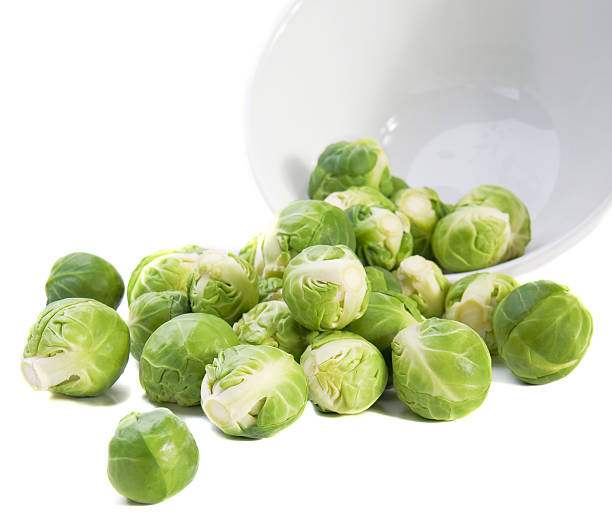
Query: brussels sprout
{"points": [[344, 164], [299, 225], [472, 301], [423, 281], [346, 374], [254, 391], [364, 195], [84, 275], [387, 314], [326, 287], [383, 238], [149, 311], [151, 456], [542, 331], [423, 208], [271, 324], [252, 253], [471, 238], [382, 280], [506, 201], [270, 289], [165, 270], [222, 284], [441, 369], [76, 347], [397, 184], [174, 359]]}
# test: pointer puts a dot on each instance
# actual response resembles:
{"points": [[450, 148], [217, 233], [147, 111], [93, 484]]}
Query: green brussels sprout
{"points": [[346, 373], [423, 281], [382, 280], [174, 359], [397, 184], [271, 324], [383, 238], [151, 456], [387, 314], [326, 287], [165, 270], [364, 195], [299, 225], [222, 284], [542, 331], [83, 275], [77, 347], [472, 301], [506, 201], [344, 164], [270, 289], [423, 208], [441, 369], [149, 311], [252, 253], [471, 238], [254, 391]]}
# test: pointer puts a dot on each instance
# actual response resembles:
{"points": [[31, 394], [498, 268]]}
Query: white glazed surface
{"points": [[460, 93]]}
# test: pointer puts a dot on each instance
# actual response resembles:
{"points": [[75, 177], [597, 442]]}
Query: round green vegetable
{"points": [[506, 201], [471, 238], [344, 164], [149, 311], [441, 369], [382, 280], [346, 373], [151, 456], [165, 270], [423, 208], [326, 287], [76, 347], [83, 275], [299, 225], [271, 324], [254, 391], [542, 331], [364, 195], [174, 359], [473, 299], [383, 238], [423, 281], [222, 284]]}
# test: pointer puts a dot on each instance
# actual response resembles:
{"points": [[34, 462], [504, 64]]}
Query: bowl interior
{"points": [[460, 93]]}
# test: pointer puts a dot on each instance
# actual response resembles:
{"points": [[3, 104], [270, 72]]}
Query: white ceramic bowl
{"points": [[459, 92]]}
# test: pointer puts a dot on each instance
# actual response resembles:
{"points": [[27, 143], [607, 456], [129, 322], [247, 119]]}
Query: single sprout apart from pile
{"points": [[271, 324], [364, 195], [83, 275], [222, 284], [542, 331], [344, 164], [423, 281], [383, 237], [326, 287], [423, 208], [471, 238], [151, 456], [506, 201], [174, 359], [441, 369], [473, 299], [149, 311], [164, 270], [299, 225], [254, 391], [346, 373], [77, 347]]}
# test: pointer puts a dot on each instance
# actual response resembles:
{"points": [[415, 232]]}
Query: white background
{"points": [[121, 132]]}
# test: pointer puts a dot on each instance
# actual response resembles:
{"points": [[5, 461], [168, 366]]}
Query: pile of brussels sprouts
{"points": [[341, 297]]}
